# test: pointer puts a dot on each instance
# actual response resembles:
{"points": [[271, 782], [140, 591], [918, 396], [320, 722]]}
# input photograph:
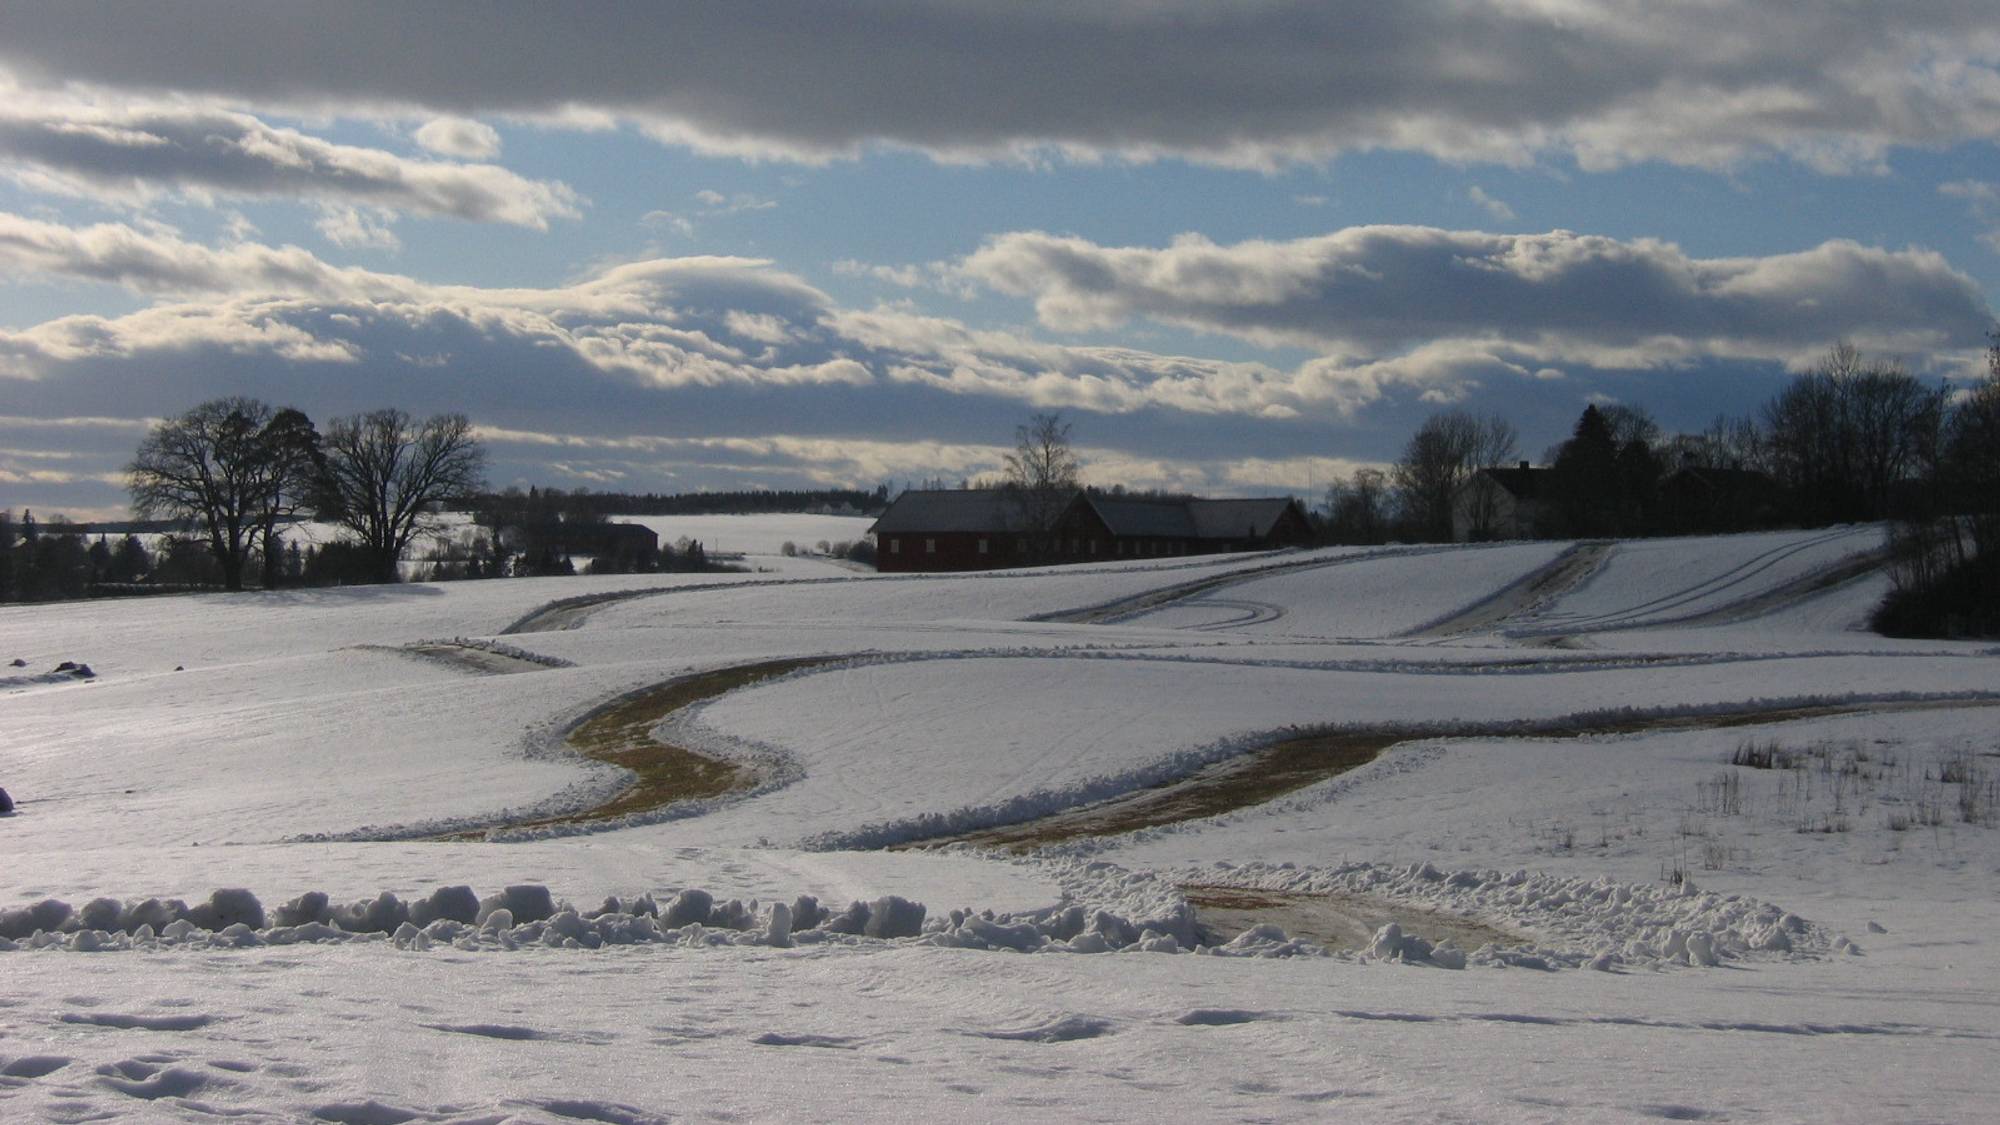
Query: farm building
{"points": [[980, 528], [1695, 500], [952, 529], [1500, 504]]}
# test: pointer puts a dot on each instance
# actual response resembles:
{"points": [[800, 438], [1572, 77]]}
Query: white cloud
{"points": [[1608, 82], [1497, 208], [847, 459], [1984, 200], [1408, 304], [130, 152], [942, 277], [459, 136], [1437, 312], [668, 220], [715, 203], [355, 229]]}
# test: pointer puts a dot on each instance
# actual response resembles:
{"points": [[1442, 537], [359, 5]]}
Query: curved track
{"points": [[1659, 610]]}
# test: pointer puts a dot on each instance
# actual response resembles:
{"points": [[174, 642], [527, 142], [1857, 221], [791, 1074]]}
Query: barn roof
{"points": [[1161, 518], [995, 511], [1237, 519], [949, 510]]}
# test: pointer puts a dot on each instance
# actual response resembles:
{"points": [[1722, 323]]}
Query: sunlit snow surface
{"points": [[282, 743]]}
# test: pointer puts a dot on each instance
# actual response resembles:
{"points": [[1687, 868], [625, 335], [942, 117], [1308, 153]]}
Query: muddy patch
{"points": [[621, 734], [1293, 763], [481, 659], [1334, 921], [1240, 782]]}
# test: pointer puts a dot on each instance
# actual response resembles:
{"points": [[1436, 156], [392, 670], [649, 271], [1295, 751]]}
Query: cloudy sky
{"points": [[723, 245]]}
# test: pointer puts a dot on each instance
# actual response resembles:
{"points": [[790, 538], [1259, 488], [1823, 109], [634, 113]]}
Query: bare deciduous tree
{"points": [[385, 472], [1043, 471], [230, 465], [1358, 507], [1440, 458], [1845, 433]]}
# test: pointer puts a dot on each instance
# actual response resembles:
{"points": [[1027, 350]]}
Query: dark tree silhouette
{"points": [[220, 467], [385, 474], [1042, 472]]}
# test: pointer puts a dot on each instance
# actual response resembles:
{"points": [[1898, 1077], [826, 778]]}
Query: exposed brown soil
{"points": [[1334, 921], [471, 659], [1241, 782], [1294, 763], [620, 733]]}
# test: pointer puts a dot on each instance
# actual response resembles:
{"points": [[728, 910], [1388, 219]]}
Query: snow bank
{"points": [[1581, 923], [1598, 924]]}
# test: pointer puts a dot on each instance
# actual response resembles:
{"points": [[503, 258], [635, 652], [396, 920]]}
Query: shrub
{"points": [[1964, 601]]}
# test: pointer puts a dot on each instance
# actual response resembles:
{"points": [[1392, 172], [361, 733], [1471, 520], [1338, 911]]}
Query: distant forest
{"points": [[693, 503], [57, 560]]}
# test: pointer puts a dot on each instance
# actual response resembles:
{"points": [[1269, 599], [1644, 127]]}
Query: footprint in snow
{"points": [[779, 1039], [612, 1113], [1064, 1030], [370, 1112], [34, 1066], [139, 1023], [519, 1034], [150, 1082], [1221, 1017]]}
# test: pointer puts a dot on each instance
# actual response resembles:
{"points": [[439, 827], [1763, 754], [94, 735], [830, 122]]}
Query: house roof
{"points": [[1523, 483], [949, 510], [1238, 519]]}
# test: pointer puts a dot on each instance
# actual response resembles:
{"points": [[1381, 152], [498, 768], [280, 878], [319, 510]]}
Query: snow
{"points": [[212, 900], [754, 534], [1651, 582]]}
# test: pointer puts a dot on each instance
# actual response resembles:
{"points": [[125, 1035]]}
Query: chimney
{"points": [[1524, 466]]}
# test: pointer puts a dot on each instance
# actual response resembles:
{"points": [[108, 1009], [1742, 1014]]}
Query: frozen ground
{"points": [[755, 534], [1673, 937]]}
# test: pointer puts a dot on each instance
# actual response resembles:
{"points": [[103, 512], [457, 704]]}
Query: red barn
{"points": [[979, 529]]}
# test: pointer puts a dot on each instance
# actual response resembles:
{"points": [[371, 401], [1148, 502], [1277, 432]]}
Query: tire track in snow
{"points": [[1137, 605], [1529, 594], [1251, 613], [571, 613], [1786, 595], [1644, 612]]}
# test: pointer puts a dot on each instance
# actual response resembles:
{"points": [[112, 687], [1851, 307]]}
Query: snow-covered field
{"points": [[1613, 925], [754, 534]]}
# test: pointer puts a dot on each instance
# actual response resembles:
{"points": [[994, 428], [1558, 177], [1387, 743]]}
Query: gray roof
{"points": [[1237, 519], [995, 511], [962, 509], [1524, 483], [1164, 518]]}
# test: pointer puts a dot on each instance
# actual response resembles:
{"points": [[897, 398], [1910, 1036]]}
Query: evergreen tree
{"points": [[8, 545], [129, 562], [100, 561], [1586, 477]]}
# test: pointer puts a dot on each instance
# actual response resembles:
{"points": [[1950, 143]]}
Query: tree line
{"points": [[238, 471], [1854, 439], [226, 482], [740, 502]]}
